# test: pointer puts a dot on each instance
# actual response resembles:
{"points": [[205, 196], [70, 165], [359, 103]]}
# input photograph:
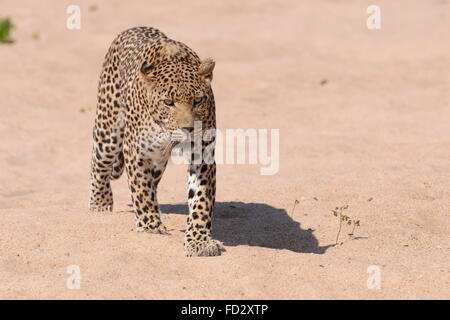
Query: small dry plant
{"points": [[293, 208], [339, 212]]}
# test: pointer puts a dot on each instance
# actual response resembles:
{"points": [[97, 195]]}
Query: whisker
{"points": [[167, 148]]}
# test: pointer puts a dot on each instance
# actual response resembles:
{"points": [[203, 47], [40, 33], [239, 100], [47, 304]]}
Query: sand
{"points": [[364, 119]]}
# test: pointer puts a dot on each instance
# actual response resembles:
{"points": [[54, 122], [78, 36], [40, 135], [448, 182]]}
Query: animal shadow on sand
{"points": [[257, 224]]}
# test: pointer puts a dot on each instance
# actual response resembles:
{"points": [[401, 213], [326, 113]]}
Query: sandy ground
{"points": [[364, 119]]}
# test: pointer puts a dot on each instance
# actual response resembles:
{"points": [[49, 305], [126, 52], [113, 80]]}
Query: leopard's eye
{"points": [[169, 103], [198, 101]]}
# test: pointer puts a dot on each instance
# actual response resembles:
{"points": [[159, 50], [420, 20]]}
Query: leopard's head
{"points": [[179, 90]]}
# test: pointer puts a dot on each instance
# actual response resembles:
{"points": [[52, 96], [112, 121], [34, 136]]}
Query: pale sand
{"points": [[379, 128]]}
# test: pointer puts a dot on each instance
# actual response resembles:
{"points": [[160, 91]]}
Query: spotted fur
{"points": [[150, 88]]}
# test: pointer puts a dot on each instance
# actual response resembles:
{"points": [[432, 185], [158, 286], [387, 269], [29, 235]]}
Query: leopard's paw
{"points": [[203, 248], [101, 208], [159, 229]]}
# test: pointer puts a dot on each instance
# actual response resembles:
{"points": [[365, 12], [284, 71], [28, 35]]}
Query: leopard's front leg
{"points": [[143, 179], [201, 200]]}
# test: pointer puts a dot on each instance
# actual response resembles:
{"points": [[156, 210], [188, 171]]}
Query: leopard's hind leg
{"points": [[107, 155]]}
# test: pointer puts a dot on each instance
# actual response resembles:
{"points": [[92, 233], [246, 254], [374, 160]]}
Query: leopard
{"points": [[151, 89]]}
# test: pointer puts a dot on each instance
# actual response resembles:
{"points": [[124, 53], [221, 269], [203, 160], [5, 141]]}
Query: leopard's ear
{"points": [[146, 68], [147, 71], [206, 69]]}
